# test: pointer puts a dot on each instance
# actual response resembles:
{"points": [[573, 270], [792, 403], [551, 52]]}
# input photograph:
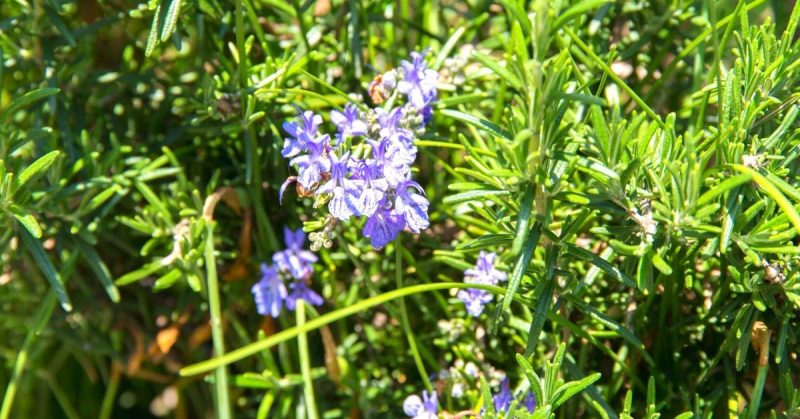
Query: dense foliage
{"points": [[566, 208]]}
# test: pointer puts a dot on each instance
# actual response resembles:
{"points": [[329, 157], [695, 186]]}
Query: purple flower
{"points": [[484, 271], [383, 225], [413, 207], [502, 400], [301, 291], [311, 166], [419, 83], [346, 200], [269, 292], [530, 402], [401, 141], [505, 398], [395, 170], [374, 185], [300, 133], [348, 123], [474, 300], [294, 259], [424, 408]]}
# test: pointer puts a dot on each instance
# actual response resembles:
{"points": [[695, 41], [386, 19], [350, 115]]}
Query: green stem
{"points": [[412, 342], [240, 48], [111, 393], [220, 375], [42, 316], [265, 405], [313, 324], [305, 364], [757, 391]]}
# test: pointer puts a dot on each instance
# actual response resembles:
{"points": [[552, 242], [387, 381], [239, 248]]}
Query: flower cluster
{"points": [[505, 398], [294, 264], [424, 408], [484, 272], [370, 177], [457, 377]]}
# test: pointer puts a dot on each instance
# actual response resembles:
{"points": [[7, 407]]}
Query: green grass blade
{"points": [[412, 339], [305, 364], [329, 318], [223, 408], [42, 316]]}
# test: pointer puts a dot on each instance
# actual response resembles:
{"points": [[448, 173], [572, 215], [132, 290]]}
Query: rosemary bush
{"points": [[429, 208]]}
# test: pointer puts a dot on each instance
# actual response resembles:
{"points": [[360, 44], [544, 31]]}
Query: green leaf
{"points": [[743, 345], [333, 89], [171, 18], [620, 330], [448, 46], [789, 190], [523, 219], [493, 64], [152, 38], [486, 394], [36, 169], [543, 302], [138, 274], [167, 280], [56, 283], [644, 273], [780, 347], [99, 268], [485, 241], [101, 198], [599, 262], [732, 210], [659, 263], [598, 401], [723, 187], [601, 130], [27, 99], [478, 123], [523, 260], [592, 167], [473, 195], [26, 219], [579, 9], [773, 192], [568, 390]]}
